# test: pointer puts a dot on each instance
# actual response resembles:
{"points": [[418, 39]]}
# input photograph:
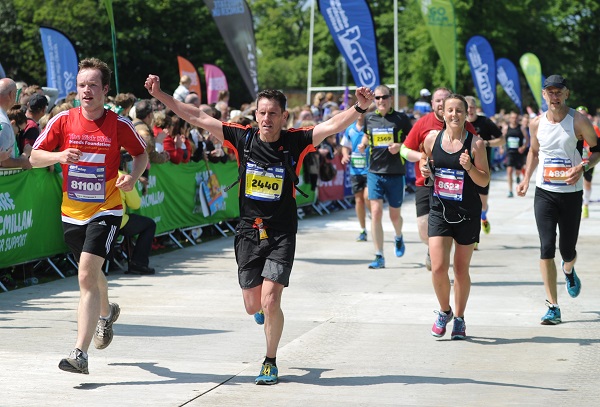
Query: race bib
{"points": [[382, 138], [449, 183], [264, 184], [86, 184], [512, 143], [555, 171], [358, 160]]}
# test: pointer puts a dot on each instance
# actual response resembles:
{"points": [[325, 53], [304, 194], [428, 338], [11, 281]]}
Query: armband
{"points": [[404, 151], [359, 109]]}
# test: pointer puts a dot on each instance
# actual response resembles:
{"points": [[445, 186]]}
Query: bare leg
{"points": [[271, 305], [548, 269], [360, 208], [462, 279], [423, 226], [93, 299], [376, 226], [509, 178], [439, 250], [396, 218]]}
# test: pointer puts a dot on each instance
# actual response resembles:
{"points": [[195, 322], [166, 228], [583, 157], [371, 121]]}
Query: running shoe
{"points": [[428, 261], [459, 328], [518, 180], [259, 317], [74, 363], [510, 194], [362, 237], [268, 374], [552, 316], [485, 225], [476, 247], [399, 247], [585, 212], [439, 326], [378, 263], [104, 329], [573, 282]]}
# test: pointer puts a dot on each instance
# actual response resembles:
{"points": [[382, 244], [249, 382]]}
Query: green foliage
{"points": [[151, 33]]}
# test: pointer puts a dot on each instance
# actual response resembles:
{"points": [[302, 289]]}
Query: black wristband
{"points": [[358, 109]]}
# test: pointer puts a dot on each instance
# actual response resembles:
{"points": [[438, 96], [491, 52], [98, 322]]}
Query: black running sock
{"points": [[447, 312], [272, 361]]}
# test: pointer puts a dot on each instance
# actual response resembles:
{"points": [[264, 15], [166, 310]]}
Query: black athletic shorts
{"points": [[270, 258], [95, 237], [515, 159], [554, 209], [422, 201], [465, 232], [358, 182]]}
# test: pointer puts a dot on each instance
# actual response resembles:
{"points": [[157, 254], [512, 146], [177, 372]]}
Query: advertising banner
{"points": [[441, 22], [187, 68], [334, 189], [234, 22], [353, 30], [191, 194], [61, 61], [215, 82], [531, 67], [30, 220], [508, 77], [483, 71]]}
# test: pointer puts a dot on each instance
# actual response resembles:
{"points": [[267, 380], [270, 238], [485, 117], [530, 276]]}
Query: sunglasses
{"points": [[384, 97]]}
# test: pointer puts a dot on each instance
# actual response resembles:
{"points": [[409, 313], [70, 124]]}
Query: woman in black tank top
{"points": [[456, 160]]}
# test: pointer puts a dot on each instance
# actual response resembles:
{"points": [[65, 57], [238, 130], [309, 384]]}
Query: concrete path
{"points": [[353, 336]]}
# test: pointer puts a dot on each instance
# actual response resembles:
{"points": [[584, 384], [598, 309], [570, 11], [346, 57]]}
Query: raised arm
{"points": [[339, 122], [186, 111]]}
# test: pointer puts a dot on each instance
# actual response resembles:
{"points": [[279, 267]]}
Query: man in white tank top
{"points": [[554, 140]]}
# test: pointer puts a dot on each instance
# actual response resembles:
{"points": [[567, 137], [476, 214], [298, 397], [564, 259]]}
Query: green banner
{"points": [[441, 21], [30, 219], [184, 195], [530, 64]]}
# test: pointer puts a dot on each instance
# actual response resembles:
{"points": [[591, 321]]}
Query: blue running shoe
{"points": [[439, 326], [552, 317], [378, 263], [268, 374], [259, 317], [362, 237], [400, 247], [459, 329], [573, 282]]}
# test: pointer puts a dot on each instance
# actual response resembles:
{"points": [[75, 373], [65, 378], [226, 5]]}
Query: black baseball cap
{"points": [[37, 102], [555, 81]]}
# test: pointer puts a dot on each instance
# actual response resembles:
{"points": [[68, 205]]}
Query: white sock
{"points": [[587, 194]]}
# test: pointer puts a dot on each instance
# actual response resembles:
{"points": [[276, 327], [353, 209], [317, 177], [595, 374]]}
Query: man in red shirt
{"points": [[87, 141]]}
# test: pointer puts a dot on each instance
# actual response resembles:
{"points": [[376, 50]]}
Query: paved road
{"points": [[353, 336]]}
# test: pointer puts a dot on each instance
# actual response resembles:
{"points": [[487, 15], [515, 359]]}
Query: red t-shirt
{"points": [[419, 132], [89, 189]]}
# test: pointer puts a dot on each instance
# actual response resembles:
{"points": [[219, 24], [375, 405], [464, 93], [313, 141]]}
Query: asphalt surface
{"points": [[352, 337]]}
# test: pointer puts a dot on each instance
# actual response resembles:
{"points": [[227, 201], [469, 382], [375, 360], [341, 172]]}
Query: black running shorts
{"points": [[270, 258], [465, 232], [95, 237]]}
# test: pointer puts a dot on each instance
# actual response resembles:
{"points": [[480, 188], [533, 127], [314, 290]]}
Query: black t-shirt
{"points": [[453, 181], [393, 127], [487, 130], [514, 139], [270, 193]]}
